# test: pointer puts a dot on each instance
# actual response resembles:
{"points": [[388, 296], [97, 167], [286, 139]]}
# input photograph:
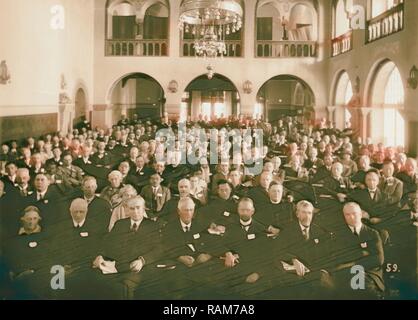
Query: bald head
{"points": [[78, 210]]}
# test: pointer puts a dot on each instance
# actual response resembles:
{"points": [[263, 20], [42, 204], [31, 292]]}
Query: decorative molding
{"points": [[248, 87], [64, 98], [173, 86]]}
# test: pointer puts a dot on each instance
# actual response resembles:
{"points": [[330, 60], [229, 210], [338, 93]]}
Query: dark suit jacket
{"points": [[393, 191], [219, 211], [409, 184], [155, 202], [313, 253], [252, 246], [76, 247], [277, 215], [365, 250], [52, 207], [124, 246], [178, 243], [372, 206], [259, 196]]}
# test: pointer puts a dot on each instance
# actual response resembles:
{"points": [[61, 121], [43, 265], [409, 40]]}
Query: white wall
{"points": [[37, 55]]}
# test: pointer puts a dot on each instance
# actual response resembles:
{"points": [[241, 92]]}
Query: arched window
{"points": [[394, 123], [388, 94]]}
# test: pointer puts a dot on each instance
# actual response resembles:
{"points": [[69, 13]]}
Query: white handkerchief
{"points": [[191, 247], [196, 236], [227, 214], [291, 267], [108, 267]]}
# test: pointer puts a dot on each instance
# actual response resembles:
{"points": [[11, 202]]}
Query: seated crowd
{"points": [[127, 217]]}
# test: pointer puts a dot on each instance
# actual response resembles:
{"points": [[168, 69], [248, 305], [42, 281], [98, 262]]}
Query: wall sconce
{"points": [[413, 78], [173, 86], [248, 87], [4, 73]]}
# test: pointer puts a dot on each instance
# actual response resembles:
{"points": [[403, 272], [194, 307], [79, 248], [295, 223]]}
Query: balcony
{"points": [[342, 44], [233, 48], [384, 25], [136, 48], [286, 49]]}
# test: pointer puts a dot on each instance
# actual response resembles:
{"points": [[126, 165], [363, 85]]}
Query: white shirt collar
{"points": [[246, 223], [79, 224], [41, 193], [89, 200], [357, 228], [302, 227], [138, 223], [183, 225], [274, 202]]}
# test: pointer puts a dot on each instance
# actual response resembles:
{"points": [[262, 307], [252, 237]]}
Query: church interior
{"points": [[331, 85]]}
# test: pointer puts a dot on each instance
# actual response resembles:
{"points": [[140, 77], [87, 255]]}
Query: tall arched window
{"points": [[388, 94], [343, 96], [393, 120]]}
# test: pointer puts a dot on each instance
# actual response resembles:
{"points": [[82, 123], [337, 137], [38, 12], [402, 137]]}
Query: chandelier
{"points": [[209, 22]]}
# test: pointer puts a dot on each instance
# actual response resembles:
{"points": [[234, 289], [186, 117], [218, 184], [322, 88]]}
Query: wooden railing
{"points": [[387, 23], [233, 48], [138, 48], [285, 49], [342, 44]]}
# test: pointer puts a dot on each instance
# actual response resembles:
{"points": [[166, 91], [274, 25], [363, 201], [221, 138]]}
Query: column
{"points": [[363, 114], [331, 114]]}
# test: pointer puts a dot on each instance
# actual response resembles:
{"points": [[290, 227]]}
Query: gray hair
{"points": [[304, 204], [79, 202]]}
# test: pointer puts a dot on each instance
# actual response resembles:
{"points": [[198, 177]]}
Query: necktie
{"points": [[135, 227], [245, 228], [305, 233], [186, 229], [355, 232]]}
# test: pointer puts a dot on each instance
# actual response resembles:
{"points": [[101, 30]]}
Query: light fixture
{"points": [[208, 22], [413, 78]]}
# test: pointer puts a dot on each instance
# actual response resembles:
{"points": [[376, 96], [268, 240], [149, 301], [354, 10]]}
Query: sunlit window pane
{"points": [[206, 109], [220, 109]]}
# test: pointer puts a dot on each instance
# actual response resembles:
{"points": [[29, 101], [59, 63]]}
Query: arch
{"points": [[116, 81], [215, 97], [387, 96], [341, 22], [80, 105], [132, 8], [342, 89], [301, 16], [136, 93], [286, 95]]}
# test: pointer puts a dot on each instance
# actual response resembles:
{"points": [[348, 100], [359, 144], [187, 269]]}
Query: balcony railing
{"points": [[285, 49], [137, 48], [387, 23], [233, 48], [342, 44]]}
